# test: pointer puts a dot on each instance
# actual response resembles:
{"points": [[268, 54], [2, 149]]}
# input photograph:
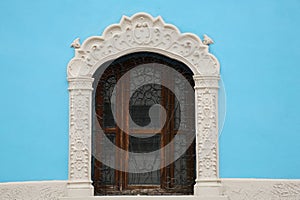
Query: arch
{"points": [[143, 33]]}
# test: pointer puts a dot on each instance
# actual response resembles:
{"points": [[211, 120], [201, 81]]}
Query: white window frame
{"points": [[140, 33]]}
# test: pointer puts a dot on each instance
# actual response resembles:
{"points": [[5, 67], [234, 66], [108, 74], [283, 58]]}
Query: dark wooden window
{"points": [[175, 178]]}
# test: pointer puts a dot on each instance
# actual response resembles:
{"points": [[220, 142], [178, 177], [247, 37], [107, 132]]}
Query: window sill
{"points": [[144, 197]]}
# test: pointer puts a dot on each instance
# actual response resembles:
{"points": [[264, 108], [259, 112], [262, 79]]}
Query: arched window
{"points": [[132, 127], [138, 146]]}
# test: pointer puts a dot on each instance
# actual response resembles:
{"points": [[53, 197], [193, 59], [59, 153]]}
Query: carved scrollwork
{"points": [[142, 31], [79, 134], [207, 133]]}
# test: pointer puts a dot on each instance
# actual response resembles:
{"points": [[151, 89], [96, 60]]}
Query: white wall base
{"points": [[35, 190], [262, 189], [234, 189]]}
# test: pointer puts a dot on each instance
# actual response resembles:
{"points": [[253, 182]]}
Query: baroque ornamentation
{"points": [[206, 81], [139, 33], [142, 32], [207, 133], [79, 129], [79, 134]]}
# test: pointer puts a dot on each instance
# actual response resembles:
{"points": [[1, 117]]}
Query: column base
{"points": [[80, 189], [209, 188]]}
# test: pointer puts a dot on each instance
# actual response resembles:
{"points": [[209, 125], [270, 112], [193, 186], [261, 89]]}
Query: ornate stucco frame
{"points": [[142, 32]]}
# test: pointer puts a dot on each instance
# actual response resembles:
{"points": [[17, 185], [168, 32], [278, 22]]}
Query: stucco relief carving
{"points": [[139, 32], [206, 82], [80, 103], [207, 134], [78, 147]]}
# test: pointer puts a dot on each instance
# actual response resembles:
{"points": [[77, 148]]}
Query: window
{"points": [[141, 33], [142, 127]]}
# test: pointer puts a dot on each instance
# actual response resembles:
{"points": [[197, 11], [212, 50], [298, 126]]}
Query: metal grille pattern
{"points": [[176, 178]]}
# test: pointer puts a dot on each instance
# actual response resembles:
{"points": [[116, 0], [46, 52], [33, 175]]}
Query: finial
{"points": [[207, 40], [76, 43]]}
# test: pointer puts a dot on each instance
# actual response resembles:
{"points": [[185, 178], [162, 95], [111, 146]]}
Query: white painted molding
{"points": [[235, 189], [140, 33]]}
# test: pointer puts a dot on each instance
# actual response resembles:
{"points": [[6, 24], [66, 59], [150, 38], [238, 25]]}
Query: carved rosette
{"points": [[80, 128], [206, 89]]}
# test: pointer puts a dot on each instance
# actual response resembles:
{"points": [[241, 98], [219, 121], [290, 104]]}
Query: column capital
{"points": [[206, 81], [80, 83]]}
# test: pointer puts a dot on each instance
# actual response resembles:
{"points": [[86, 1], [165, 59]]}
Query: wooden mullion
{"points": [[143, 187], [170, 119], [118, 174], [163, 169], [145, 131], [110, 130], [125, 102], [171, 131]]}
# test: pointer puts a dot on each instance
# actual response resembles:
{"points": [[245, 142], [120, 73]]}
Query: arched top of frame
{"points": [[142, 32]]}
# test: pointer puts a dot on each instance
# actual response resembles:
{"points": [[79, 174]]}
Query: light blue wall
{"points": [[257, 44]]}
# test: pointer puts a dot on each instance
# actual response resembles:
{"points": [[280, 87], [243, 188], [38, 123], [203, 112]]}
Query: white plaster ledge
{"points": [[34, 190], [261, 189], [234, 189], [142, 197]]}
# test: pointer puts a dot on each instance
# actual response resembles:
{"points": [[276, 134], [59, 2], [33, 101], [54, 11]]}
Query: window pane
{"points": [[108, 156], [108, 118], [141, 101], [140, 116], [141, 161], [108, 86], [184, 166]]}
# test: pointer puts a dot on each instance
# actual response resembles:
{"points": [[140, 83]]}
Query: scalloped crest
{"points": [[142, 32]]}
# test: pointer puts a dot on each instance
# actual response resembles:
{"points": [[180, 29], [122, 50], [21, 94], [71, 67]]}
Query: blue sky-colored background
{"points": [[257, 43]]}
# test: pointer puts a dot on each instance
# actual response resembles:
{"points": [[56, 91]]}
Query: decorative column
{"points": [[206, 103], [80, 129]]}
